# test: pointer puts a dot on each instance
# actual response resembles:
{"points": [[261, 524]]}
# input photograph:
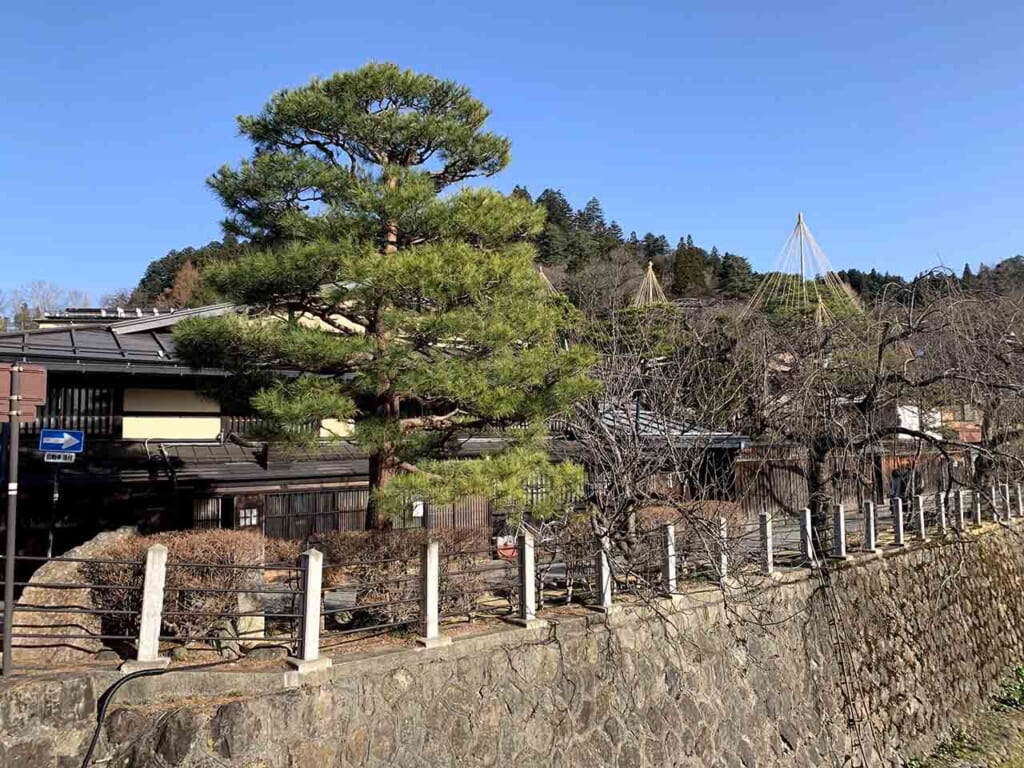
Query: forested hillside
{"points": [[585, 252]]}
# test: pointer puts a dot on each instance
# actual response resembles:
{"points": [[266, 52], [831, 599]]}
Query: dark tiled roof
{"points": [[214, 462], [141, 344], [203, 463]]}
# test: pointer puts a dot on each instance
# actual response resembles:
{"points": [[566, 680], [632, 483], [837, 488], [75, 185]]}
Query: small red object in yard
{"points": [[506, 546]]}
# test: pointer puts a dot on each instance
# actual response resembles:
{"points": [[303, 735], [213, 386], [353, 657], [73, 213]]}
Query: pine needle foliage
{"points": [[390, 291]]}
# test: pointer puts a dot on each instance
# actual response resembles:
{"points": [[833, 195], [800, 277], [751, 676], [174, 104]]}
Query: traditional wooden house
{"points": [[164, 451], [168, 446]]}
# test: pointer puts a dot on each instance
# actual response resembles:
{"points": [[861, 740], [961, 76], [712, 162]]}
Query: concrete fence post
{"points": [[430, 596], [838, 531], [668, 564], [993, 494], [308, 659], [897, 521], [147, 654], [1006, 501], [870, 527], [940, 508], [723, 549], [922, 530], [1020, 502], [961, 510], [527, 581], [603, 571], [806, 536], [767, 546], [976, 507]]}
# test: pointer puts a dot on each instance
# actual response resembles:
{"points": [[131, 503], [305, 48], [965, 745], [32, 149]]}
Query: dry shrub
{"points": [[283, 551], [383, 569], [203, 551], [696, 524], [574, 545]]}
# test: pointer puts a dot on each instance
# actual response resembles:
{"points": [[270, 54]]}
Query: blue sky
{"points": [[898, 128]]}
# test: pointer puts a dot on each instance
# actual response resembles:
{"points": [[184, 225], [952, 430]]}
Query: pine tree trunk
{"points": [[818, 496], [382, 469], [383, 461]]}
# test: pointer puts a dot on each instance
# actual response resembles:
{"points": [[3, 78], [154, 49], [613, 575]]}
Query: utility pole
{"points": [[14, 431]]}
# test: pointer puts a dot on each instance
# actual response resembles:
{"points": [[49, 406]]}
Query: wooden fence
{"points": [[774, 477], [297, 515]]}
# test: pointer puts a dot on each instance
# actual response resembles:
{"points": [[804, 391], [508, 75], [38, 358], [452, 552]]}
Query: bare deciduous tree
{"points": [[601, 287]]}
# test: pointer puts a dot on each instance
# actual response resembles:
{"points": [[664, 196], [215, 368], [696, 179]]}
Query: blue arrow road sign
{"points": [[62, 440]]}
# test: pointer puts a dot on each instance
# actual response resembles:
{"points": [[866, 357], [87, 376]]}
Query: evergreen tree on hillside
{"points": [[554, 244], [557, 208], [735, 277], [654, 247], [967, 278], [591, 218], [158, 280], [690, 269], [1007, 276], [869, 285], [694, 271], [574, 238], [396, 292]]}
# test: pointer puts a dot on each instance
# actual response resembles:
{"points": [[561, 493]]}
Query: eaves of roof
{"points": [[155, 322], [100, 348]]}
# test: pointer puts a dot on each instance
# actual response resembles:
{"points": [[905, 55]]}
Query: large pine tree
{"points": [[416, 311]]}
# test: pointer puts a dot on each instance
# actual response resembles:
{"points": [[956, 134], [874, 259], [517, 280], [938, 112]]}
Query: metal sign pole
{"points": [[12, 514], [53, 510]]}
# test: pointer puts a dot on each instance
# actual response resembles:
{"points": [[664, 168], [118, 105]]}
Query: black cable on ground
{"points": [[104, 700]]}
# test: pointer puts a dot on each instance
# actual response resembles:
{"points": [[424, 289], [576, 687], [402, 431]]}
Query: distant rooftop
{"points": [[102, 314]]}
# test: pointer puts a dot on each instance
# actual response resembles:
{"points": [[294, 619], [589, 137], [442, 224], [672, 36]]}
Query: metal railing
{"points": [[84, 610]]}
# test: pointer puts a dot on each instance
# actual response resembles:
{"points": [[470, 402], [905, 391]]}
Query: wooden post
{"points": [[940, 508], [668, 565], [961, 510], [723, 550], [922, 531], [308, 658], [806, 536], [430, 596], [870, 527], [994, 498], [527, 581], [767, 547], [897, 521], [147, 654], [838, 532], [1020, 502], [604, 573]]}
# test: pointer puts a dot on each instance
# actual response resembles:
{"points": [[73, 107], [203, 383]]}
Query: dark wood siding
{"points": [[92, 409], [296, 515]]}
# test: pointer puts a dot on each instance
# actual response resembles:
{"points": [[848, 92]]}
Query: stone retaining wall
{"points": [[695, 681]]}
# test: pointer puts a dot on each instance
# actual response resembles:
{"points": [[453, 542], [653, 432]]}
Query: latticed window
{"points": [[90, 409], [206, 513], [248, 517]]}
